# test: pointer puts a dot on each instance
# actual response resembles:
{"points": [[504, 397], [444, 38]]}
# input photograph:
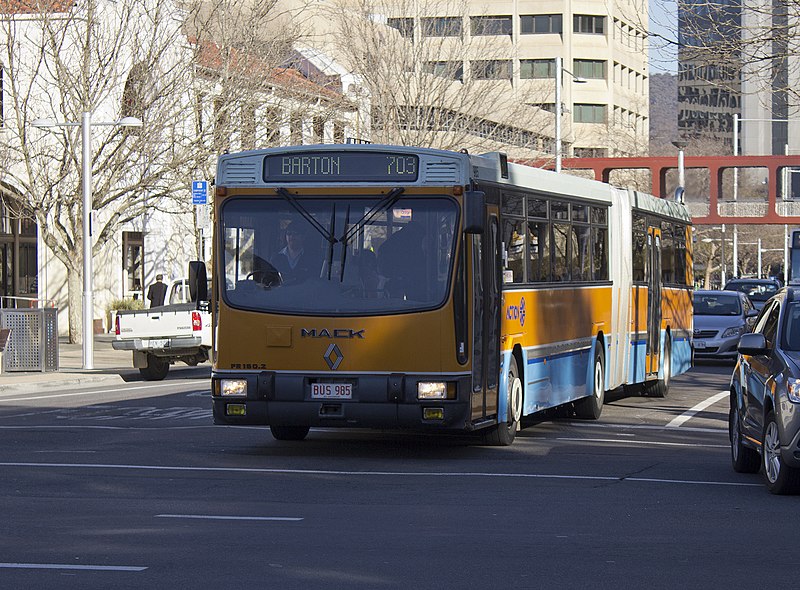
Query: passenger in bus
{"points": [[401, 260], [291, 261]]}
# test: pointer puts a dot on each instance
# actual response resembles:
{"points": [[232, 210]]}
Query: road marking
{"points": [[583, 424], [67, 566], [643, 442], [690, 413], [370, 473], [212, 517], [80, 393]]}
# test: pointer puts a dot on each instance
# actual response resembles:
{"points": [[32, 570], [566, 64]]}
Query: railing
{"points": [[19, 302]]}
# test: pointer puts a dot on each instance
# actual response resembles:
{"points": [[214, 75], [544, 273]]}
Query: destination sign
{"points": [[341, 167]]}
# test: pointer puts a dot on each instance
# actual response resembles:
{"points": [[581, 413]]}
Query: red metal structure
{"points": [[660, 165]]}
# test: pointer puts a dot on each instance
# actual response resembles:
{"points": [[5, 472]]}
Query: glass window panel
{"points": [[559, 211], [639, 248], [600, 254], [580, 213], [599, 216], [514, 240], [513, 204], [538, 251], [537, 208], [560, 252], [581, 253]]}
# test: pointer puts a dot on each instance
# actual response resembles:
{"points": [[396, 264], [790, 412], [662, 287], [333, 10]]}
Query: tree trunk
{"points": [[75, 304]]}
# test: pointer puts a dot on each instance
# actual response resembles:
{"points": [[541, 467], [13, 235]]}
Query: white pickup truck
{"points": [[161, 336]]}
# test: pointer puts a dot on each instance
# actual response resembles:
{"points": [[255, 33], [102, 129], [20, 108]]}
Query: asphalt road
{"points": [[134, 488]]}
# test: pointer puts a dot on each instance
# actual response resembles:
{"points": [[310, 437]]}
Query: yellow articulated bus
{"points": [[406, 288]]}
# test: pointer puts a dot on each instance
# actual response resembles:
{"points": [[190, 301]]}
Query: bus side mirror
{"points": [[198, 283], [474, 212]]}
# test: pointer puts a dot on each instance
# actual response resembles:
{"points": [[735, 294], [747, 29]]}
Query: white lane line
{"points": [[621, 426], [690, 413], [367, 473], [643, 442], [68, 566], [212, 517], [95, 392], [690, 482]]}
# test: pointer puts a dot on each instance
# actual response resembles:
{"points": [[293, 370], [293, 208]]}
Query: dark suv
{"points": [[758, 290], [764, 419]]}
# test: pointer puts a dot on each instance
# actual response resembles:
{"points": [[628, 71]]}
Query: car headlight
{"points": [[793, 390], [737, 331], [233, 387]]}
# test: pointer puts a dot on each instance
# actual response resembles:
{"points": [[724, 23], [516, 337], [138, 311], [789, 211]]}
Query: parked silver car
{"points": [[720, 319]]}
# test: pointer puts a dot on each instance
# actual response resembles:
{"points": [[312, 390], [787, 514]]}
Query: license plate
{"points": [[699, 344], [161, 343], [331, 390]]}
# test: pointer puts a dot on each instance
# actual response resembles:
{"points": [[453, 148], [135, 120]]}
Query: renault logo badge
{"points": [[333, 356]]}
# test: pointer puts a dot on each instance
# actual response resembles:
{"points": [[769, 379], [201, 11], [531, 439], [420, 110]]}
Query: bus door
{"points": [[653, 300], [485, 271]]}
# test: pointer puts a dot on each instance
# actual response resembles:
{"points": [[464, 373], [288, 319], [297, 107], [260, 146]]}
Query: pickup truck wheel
{"points": [[283, 432], [156, 369]]}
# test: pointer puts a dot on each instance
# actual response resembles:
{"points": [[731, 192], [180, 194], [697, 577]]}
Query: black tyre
{"points": [[660, 388], [284, 432], [503, 435], [744, 459], [779, 477], [591, 407], [156, 369]]}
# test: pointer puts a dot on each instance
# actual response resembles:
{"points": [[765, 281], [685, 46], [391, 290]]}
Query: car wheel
{"points": [[156, 369], [779, 477], [744, 459], [503, 435], [284, 432], [591, 407]]}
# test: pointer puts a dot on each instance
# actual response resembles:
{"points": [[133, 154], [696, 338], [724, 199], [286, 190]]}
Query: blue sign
{"points": [[199, 192]]}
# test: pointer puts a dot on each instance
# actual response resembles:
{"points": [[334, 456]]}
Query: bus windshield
{"points": [[337, 255]]}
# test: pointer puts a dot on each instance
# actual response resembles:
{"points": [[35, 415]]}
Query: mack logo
{"points": [[325, 333]]}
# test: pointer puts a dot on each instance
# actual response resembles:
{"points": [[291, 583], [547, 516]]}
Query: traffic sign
{"points": [[199, 192]]}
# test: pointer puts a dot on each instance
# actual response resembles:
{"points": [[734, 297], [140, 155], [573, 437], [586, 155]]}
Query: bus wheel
{"points": [[503, 435], [591, 407], [660, 387], [283, 432], [156, 369]]}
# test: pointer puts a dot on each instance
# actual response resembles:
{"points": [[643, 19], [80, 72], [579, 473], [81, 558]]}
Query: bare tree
{"points": [[434, 82], [111, 59]]}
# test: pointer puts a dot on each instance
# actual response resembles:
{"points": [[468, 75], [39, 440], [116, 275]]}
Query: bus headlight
{"points": [[431, 390], [793, 390], [233, 387]]}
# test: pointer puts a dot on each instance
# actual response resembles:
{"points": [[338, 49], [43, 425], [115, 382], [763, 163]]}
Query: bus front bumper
{"points": [[380, 401]]}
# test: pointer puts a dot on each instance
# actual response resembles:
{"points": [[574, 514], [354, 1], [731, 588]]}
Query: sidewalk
{"points": [[111, 367]]}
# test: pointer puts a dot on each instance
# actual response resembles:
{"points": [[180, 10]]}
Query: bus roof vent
{"points": [[239, 172], [446, 172]]}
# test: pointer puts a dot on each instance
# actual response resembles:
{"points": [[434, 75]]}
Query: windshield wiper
{"points": [[381, 206], [306, 215]]}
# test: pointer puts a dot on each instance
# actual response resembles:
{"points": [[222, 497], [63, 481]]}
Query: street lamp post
{"points": [[681, 145], [560, 70], [86, 188]]}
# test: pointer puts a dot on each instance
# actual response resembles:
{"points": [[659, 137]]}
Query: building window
{"points": [[537, 68], [221, 124], [590, 152], [248, 129], [490, 25], [454, 70], [296, 129], [537, 24], [338, 132], [405, 26], [441, 26], [132, 255], [272, 125], [586, 23], [319, 130], [592, 69], [491, 69], [589, 113]]}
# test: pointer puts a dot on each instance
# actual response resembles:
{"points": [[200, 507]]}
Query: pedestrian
{"points": [[157, 292]]}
